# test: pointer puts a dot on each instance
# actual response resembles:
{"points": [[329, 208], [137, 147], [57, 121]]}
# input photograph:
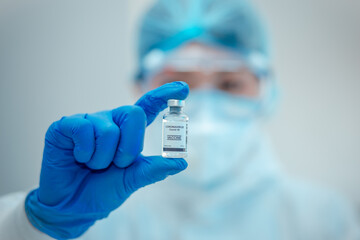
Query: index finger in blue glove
{"points": [[132, 121], [155, 101]]}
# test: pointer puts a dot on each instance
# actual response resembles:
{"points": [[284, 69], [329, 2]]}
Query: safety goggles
{"points": [[202, 67], [229, 72]]}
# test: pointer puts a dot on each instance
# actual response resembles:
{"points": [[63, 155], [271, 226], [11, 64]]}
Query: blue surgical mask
{"points": [[222, 133]]}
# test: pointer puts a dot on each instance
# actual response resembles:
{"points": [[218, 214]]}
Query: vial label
{"points": [[175, 136]]}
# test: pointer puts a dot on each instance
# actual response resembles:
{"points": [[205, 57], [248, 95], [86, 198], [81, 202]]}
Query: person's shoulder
{"points": [[11, 199], [318, 207], [316, 194], [13, 195]]}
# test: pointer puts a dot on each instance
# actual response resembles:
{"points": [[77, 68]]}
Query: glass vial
{"points": [[175, 130]]}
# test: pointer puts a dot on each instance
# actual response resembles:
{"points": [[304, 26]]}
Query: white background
{"points": [[63, 57]]}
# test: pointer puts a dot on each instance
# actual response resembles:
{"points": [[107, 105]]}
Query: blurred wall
{"points": [[317, 59], [62, 57], [56, 58]]}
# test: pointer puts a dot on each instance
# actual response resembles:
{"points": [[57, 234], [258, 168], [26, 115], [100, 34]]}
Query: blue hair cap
{"points": [[229, 23]]}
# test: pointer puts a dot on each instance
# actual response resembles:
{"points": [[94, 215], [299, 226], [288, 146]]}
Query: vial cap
{"points": [[176, 103]]}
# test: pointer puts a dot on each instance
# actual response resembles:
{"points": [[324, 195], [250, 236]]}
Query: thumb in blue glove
{"points": [[92, 163]]}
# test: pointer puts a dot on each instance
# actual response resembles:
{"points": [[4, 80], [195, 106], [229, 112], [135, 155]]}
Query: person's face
{"points": [[240, 81]]}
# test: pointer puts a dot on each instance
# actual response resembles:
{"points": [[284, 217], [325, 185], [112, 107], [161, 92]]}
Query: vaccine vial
{"points": [[175, 130]]}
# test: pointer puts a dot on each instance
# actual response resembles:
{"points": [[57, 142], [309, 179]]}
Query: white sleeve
{"points": [[14, 223]]}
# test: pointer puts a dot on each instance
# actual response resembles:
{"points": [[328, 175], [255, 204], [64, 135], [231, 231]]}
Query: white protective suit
{"points": [[259, 202]]}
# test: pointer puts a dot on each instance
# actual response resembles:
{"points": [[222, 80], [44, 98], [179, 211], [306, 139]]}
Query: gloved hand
{"points": [[92, 164]]}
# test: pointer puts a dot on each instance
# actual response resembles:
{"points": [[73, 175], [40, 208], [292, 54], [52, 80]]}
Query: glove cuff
{"points": [[55, 222]]}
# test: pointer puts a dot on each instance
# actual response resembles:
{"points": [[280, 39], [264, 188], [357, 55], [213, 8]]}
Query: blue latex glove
{"points": [[92, 164]]}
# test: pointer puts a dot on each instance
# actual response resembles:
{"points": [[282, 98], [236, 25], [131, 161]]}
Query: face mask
{"points": [[222, 132]]}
